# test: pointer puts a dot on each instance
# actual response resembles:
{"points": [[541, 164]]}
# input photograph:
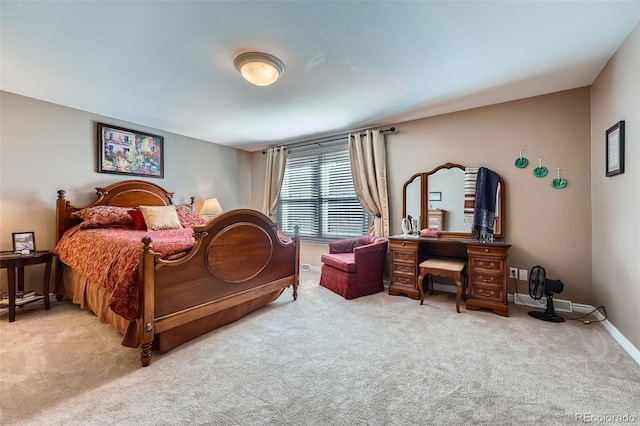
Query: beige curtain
{"points": [[276, 163], [369, 169]]}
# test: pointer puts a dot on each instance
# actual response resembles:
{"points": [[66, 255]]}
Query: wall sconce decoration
{"points": [[521, 162], [540, 171], [559, 183], [210, 209]]}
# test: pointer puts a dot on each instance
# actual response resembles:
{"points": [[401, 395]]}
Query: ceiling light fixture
{"points": [[258, 68]]}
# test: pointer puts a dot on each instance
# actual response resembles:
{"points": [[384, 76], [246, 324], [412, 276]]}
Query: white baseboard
{"points": [[611, 329], [526, 300], [306, 267], [444, 287]]}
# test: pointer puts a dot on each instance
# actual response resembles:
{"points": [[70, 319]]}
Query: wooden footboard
{"points": [[239, 263], [239, 258]]}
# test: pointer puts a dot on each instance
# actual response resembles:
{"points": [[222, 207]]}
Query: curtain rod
{"points": [[334, 139]]}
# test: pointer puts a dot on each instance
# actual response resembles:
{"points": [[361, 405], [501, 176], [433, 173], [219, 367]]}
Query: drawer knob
{"points": [[491, 265], [488, 280], [403, 244], [486, 250], [489, 293]]}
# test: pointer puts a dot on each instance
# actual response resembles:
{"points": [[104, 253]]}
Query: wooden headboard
{"points": [[128, 193]]}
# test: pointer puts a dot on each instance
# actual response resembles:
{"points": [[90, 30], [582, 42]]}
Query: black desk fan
{"points": [[539, 285]]}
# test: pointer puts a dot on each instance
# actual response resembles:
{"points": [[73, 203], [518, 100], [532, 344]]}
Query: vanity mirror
{"points": [[436, 198]]}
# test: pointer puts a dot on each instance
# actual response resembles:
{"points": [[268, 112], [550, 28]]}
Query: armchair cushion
{"points": [[344, 261]]}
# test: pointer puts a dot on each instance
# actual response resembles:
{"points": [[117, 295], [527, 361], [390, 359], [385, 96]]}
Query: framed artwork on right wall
{"points": [[614, 141]]}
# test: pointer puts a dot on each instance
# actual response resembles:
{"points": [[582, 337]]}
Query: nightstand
{"points": [[12, 262]]}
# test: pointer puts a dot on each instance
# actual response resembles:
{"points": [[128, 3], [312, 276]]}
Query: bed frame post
{"points": [[146, 301], [61, 206], [296, 240]]}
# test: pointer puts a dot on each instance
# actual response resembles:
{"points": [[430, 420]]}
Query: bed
{"points": [[216, 273]]}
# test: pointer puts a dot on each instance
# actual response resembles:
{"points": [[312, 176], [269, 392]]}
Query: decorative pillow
{"points": [[188, 218], [138, 219], [100, 216], [160, 217]]}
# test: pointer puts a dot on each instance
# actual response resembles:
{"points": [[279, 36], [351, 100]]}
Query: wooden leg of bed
{"points": [[145, 354], [295, 291]]}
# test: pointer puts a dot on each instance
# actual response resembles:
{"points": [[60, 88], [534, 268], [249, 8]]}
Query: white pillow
{"points": [[160, 217]]}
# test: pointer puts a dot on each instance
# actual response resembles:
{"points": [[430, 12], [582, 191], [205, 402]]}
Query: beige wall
{"points": [[615, 96], [546, 226], [45, 147]]}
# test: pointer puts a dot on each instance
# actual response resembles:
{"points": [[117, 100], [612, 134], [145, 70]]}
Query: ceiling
{"points": [[349, 64]]}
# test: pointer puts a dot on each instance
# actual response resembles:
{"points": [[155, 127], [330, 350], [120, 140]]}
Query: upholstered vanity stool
{"points": [[453, 268]]}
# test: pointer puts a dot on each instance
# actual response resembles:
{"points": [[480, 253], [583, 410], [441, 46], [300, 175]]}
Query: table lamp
{"points": [[210, 209]]}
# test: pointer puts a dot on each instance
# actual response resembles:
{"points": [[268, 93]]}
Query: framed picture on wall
{"points": [[129, 152], [435, 196], [24, 241], [614, 141]]}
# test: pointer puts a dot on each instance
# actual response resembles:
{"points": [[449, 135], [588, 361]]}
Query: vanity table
{"points": [[486, 261], [486, 267]]}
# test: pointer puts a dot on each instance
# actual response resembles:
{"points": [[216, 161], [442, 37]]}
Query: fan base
{"points": [[545, 316]]}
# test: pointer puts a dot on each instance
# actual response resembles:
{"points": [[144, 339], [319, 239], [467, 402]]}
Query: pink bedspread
{"points": [[109, 257]]}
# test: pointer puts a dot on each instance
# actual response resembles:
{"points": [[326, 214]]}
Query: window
{"points": [[317, 195]]}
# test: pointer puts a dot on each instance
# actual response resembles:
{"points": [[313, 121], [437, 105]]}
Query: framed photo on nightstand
{"points": [[24, 241]]}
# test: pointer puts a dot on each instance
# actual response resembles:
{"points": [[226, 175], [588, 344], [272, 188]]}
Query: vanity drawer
{"points": [[404, 256], [487, 264], [486, 279], [488, 293], [409, 245], [404, 268], [486, 251], [404, 280]]}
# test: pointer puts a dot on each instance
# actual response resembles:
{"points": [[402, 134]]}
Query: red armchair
{"points": [[354, 267]]}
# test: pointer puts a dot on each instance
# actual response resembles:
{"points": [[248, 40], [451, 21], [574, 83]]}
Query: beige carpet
{"points": [[322, 360]]}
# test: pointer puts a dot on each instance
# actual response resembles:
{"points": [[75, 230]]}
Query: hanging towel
{"points": [[470, 177], [485, 201]]}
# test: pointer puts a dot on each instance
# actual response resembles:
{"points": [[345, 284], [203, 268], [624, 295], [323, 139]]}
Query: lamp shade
{"points": [[211, 207], [258, 68]]}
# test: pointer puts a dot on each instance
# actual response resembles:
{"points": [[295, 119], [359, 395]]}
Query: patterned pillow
{"points": [[138, 219], [188, 218], [160, 217], [101, 216]]}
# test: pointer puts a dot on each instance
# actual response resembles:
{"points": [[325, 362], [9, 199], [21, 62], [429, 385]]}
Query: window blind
{"points": [[317, 194]]}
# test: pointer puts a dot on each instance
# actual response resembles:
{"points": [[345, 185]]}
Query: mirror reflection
{"points": [[412, 207], [446, 200], [436, 199]]}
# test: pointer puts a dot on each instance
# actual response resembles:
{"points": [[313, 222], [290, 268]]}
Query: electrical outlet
{"points": [[513, 273], [523, 275]]}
